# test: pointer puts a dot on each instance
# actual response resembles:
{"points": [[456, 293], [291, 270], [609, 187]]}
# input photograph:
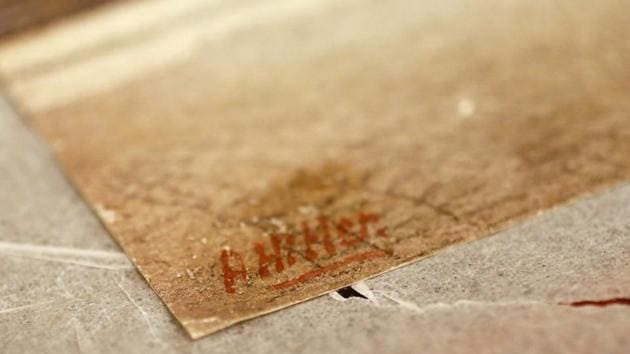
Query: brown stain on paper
{"points": [[297, 157], [601, 303], [20, 15], [305, 187]]}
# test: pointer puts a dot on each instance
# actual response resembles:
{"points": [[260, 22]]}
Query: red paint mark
{"points": [[264, 259], [343, 228], [274, 258], [602, 303], [364, 219], [229, 274], [329, 268], [309, 240], [291, 243], [328, 243]]}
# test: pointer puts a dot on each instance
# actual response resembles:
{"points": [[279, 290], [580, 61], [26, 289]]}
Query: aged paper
{"points": [[20, 15], [252, 155]]}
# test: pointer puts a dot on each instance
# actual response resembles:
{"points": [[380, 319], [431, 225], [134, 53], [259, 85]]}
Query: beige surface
{"points": [[20, 15], [66, 287], [409, 126]]}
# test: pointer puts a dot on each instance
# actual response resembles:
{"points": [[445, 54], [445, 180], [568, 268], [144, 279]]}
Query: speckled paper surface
{"points": [[68, 288]]}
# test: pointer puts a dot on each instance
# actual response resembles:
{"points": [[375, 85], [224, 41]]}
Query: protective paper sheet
{"points": [[252, 155]]}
